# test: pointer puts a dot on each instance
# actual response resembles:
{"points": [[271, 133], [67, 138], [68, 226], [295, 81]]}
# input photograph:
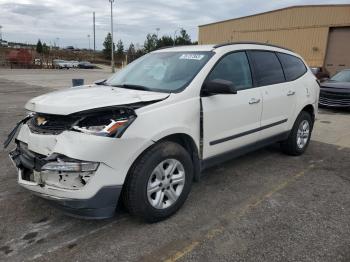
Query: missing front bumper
{"points": [[54, 170]]}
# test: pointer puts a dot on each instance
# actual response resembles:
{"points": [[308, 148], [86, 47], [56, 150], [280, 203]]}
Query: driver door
{"points": [[231, 121]]}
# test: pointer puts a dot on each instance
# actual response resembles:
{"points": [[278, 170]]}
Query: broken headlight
{"points": [[110, 125], [63, 166]]}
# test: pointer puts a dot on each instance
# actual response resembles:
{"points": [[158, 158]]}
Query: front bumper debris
{"points": [[54, 170], [114, 156], [31, 174]]}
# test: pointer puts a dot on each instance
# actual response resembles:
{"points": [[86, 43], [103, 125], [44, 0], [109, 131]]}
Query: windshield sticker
{"points": [[191, 57]]}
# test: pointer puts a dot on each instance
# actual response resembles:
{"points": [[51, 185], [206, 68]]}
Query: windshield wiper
{"points": [[101, 82], [135, 87]]}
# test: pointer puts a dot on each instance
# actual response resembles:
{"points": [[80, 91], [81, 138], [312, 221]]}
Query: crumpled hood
{"points": [[73, 100]]}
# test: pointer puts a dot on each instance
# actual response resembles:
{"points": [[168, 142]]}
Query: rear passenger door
{"points": [[278, 102]]}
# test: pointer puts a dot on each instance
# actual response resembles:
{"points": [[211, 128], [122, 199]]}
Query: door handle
{"points": [[254, 101], [291, 93]]}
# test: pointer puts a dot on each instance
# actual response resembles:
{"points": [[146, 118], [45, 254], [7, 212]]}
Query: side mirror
{"points": [[218, 86]]}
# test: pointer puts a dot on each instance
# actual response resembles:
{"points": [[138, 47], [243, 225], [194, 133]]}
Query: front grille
{"points": [[51, 124], [335, 99]]}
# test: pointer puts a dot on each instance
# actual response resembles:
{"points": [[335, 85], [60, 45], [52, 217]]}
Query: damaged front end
{"points": [[102, 122], [55, 170]]}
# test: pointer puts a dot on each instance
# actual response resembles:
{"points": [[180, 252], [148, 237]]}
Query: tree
{"points": [[140, 52], [120, 48], [151, 43], [131, 53], [46, 49], [165, 41], [131, 50], [39, 47], [107, 44], [183, 38]]}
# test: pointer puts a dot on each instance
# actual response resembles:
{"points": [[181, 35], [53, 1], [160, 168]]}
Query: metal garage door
{"points": [[338, 51]]}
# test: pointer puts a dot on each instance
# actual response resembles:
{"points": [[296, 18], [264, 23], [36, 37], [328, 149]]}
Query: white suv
{"points": [[146, 133]]}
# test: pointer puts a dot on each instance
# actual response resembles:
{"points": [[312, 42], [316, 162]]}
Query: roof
{"points": [[277, 10]]}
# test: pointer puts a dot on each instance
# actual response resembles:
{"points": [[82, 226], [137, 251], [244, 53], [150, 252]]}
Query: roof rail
{"points": [[249, 43], [164, 47]]}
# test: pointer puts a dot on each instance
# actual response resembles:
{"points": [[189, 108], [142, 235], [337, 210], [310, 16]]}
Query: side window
{"points": [[293, 66], [268, 68], [235, 68]]}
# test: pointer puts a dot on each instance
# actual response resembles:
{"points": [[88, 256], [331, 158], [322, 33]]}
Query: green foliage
{"points": [[120, 48], [46, 48], [131, 50], [151, 43], [140, 52], [165, 41], [107, 44], [39, 47], [183, 38]]}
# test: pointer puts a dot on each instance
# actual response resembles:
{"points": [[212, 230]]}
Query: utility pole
{"points": [[94, 29], [89, 42], [112, 49]]}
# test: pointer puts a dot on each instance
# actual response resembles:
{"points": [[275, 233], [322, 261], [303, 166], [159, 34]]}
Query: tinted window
{"points": [[235, 68], [293, 66], [268, 69]]}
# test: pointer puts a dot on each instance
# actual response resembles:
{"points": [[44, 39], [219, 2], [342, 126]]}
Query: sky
{"points": [[69, 22]]}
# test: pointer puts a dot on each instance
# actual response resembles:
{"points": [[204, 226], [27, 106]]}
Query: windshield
{"points": [[162, 72], [342, 76]]}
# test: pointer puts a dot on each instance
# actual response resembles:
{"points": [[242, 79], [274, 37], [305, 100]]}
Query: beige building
{"points": [[319, 33]]}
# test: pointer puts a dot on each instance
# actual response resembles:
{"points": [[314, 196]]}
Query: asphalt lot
{"points": [[264, 206]]}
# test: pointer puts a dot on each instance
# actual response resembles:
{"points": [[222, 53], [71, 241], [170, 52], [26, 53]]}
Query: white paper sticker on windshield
{"points": [[191, 57]]}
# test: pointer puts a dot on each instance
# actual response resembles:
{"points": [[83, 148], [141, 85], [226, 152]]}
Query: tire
{"points": [[147, 174], [292, 146]]}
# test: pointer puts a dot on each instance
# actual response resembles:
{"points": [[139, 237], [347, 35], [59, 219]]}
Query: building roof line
{"points": [[275, 10]]}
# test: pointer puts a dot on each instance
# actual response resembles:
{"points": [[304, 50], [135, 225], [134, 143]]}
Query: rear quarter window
{"points": [[293, 66]]}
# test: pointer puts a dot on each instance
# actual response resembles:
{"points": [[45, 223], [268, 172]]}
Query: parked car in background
{"points": [[335, 92], [86, 65], [37, 61], [320, 73], [147, 132], [61, 64], [75, 64]]}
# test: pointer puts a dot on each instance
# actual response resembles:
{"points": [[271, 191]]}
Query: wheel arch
{"points": [[182, 139], [189, 144], [311, 110]]}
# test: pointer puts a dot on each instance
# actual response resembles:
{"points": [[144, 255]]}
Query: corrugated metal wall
{"points": [[303, 29]]}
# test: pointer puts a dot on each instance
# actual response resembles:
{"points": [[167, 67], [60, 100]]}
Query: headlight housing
{"points": [[103, 122], [113, 128], [66, 166], [109, 124]]}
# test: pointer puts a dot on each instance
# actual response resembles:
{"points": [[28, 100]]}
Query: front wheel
{"points": [[299, 137], [159, 182]]}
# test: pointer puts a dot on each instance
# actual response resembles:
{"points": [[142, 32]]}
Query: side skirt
{"points": [[212, 161]]}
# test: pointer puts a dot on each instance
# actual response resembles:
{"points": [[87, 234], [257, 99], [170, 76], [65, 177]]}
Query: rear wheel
{"points": [[159, 182], [299, 136]]}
